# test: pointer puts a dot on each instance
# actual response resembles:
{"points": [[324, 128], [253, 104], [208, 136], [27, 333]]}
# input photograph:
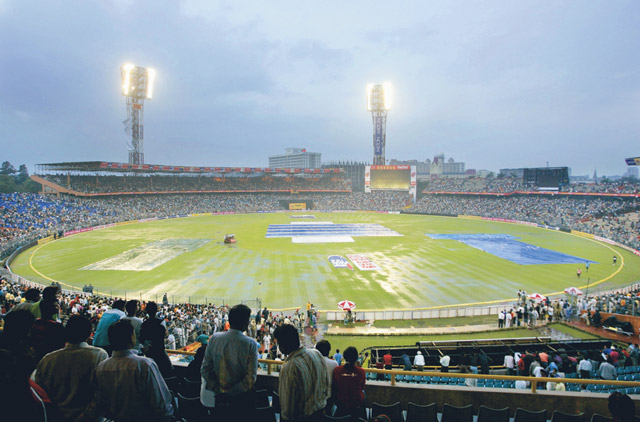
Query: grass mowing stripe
{"points": [[416, 272]]}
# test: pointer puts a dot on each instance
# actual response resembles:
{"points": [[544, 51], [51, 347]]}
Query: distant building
{"points": [[422, 167], [296, 158], [439, 166], [632, 172], [353, 170], [512, 173], [445, 168]]}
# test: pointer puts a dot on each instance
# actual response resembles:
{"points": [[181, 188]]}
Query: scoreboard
{"points": [[400, 177]]}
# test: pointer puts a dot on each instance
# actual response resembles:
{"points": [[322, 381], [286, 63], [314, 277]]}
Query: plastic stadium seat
{"points": [[523, 415], [487, 414], [191, 409], [393, 411], [261, 398], [173, 383], [399, 378], [457, 414], [346, 418], [275, 401], [190, 388], [599, 418], [559, 416], [265, 414], [422, 413]]}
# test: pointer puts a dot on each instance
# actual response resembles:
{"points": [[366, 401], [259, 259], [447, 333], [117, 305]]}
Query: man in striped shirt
{"points": [[304, 382]]}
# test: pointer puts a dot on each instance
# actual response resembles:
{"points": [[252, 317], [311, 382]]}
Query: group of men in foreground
{"points": [[83, 382]]}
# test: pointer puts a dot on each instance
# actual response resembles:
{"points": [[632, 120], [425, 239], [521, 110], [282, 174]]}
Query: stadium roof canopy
{"points": [[111, 167]]}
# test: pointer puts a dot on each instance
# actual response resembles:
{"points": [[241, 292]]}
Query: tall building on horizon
{"points": [[296, 158]]}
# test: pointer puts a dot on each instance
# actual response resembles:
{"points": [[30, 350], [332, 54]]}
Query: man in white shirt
{"points": [[304, 383], [444, 363], [509, 364], [324, 347], [418, 361], [585, 367]]}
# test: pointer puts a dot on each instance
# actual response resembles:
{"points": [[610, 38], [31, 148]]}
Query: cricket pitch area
{"points": [[379, 261]]}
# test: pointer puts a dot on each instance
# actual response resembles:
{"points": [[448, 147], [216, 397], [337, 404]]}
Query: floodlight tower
{"points": [[378, 96], [137, 85]]}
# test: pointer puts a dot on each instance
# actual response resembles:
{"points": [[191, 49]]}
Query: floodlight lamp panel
{"points": [[369, 94], [127, 68]]}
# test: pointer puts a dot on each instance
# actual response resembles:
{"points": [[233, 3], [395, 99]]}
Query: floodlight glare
{"points": [[137, 86], [379, 103], [127, 68], [387, 95], [151, 75]]}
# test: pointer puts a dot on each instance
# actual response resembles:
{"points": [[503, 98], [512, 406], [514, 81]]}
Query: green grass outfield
{"points": [[416, 271]]}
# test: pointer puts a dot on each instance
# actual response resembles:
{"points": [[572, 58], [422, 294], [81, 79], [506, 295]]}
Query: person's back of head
{"points": [[17, 325], [288, 338], [49, 308], [78, 329], [152, 309], [239, 317], [324, 347], [621, 407], [121, 335], [32, 295], [50, 292], [118, 304], [350, 354], [131, 307]]}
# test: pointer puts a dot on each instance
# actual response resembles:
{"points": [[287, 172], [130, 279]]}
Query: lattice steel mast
{"points": [[378, 104], [137, 85]]}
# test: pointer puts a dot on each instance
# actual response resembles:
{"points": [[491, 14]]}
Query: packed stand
{"points": [[199, 183], [475, 184], [615, 219]]}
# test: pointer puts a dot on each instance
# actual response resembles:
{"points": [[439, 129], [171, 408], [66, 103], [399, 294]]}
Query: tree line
{"points": [[12, 180]]}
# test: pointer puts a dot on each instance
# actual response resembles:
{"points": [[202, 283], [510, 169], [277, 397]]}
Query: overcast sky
{"points": [[492, 83]]}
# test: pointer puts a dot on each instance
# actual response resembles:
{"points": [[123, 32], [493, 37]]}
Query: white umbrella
{"points": [[573, 291], [346, 305]]}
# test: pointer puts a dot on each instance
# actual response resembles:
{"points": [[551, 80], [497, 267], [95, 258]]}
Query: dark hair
{"points": [[118, 304], [152, 309], [17, 325], [350, 354], [78, 329], [288, 337], [239, 317], [50, 292], [48, 308], [621, 407], [119, 335], [131, 307], [324, 347], [32, 295]]}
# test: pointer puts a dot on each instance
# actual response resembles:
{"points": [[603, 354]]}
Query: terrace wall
{"points": [[383, 393]]}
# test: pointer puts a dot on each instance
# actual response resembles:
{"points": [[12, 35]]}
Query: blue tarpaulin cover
{"points": [[510, 248]]}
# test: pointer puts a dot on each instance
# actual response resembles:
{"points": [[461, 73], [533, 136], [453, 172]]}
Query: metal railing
{"points": [[393, 373]]}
